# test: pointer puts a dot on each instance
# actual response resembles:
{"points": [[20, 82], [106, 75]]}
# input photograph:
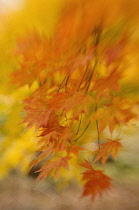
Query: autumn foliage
{"points": [[95, 181], [79, 71]]}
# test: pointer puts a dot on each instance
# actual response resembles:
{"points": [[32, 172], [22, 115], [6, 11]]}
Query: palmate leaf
{"points": [[96, 182], [109, 148], [41, 107], [54, 166], [33, 51], [104, 86], [114, 54], [74, 149], [117, 112]]}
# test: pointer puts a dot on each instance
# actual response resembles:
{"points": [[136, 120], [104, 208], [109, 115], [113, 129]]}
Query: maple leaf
{"points": [[118, 112], [109, 148], [66, 100], [37, 112], [103, 86], [69, 101], [53, 166], [52, 142], [114, 53], [96, 182], [74, 149], [35, 107], [33, 51]]}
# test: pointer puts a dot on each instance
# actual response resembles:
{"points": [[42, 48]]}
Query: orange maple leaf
{"points": [[33, 51], [96, 182], [104, 86], [53, 166], [118, 112], [52, 142], [115, 52], [74, 149], [69, 101], [109, 148]]}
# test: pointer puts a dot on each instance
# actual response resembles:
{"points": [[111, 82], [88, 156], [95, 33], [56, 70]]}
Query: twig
{"points": [[79, 125], [98, 134], [83, 131]]}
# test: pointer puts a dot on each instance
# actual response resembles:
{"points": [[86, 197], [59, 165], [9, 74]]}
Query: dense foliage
{"points": [[79, 72]]}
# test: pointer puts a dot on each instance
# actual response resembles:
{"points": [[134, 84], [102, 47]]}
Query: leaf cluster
{"points": [[78, 72]]}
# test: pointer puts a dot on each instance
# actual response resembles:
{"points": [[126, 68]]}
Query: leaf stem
{"points": [[97, 33], [83, 131], [83, 75], [65, 78], [98, 134], [79, 125]]}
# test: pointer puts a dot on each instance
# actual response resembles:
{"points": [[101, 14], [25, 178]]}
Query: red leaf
{"points": [[96, 182], [53, 166], [109, 148]]}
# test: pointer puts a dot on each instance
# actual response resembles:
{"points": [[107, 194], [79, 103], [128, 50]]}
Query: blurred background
{"points": [[17, 147]]}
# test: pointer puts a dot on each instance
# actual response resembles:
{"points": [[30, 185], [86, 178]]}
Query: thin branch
{"points": [[96, 42], [79, 125], [83, 132], [66, 81], [92, 73], [98, 134], [83, 75], [66, 120], [61, 114], [67, 76]]}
